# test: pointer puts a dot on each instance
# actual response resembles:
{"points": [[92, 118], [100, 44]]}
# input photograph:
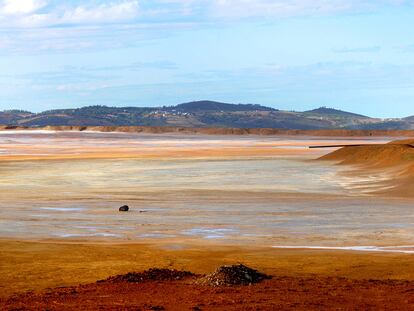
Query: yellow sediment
{"points": [[39, 265], [157, 153]]}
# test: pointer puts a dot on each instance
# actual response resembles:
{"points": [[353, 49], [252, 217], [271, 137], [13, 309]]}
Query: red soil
{"points": [[287, 293]]}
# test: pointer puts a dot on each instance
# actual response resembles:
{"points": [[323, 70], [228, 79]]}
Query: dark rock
{"points": [[124, 208]]}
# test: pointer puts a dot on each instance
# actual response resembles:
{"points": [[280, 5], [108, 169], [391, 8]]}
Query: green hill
{"points": [[203, 114]]}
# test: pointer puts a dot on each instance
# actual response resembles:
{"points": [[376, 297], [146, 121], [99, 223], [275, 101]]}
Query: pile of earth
{"points": [[153, 274], [395, 153], [396, 159], [233, 275], [223, 276]]}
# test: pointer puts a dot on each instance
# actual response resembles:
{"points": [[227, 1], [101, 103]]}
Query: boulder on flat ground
{"points": [[124, 208]]}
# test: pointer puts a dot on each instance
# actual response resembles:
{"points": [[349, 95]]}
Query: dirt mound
{"points": [[409, 142], [233, 275], [153, 274], [396, 158], [223, 276], [381, 156]]}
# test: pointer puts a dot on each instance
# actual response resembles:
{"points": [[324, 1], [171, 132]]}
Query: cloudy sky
{"points": [[355, 55]]}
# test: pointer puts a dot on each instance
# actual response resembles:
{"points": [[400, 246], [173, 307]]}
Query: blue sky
{"points": [[353, 55]]}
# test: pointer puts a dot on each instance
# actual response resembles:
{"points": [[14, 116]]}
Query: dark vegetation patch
{"points": [[153, 274]]}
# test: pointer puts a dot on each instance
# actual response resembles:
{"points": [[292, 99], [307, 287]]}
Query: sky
{"points": [[354, 55]]}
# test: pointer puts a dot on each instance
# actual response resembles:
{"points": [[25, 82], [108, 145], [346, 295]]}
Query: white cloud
{"points": [[39, 13], [43, 25], [20, 7], [109, 12], [44, 13]]}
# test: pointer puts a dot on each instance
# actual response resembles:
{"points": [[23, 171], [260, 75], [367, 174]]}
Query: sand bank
{"points": [[395, 159]]}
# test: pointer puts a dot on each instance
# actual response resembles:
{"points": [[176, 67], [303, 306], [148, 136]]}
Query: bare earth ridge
{"points": [[221, 131], [396, 157]]}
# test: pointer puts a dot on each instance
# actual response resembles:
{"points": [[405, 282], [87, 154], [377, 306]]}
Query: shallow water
{"points": [[272, 200]]}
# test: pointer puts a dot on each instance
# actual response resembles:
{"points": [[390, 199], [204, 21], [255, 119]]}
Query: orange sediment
{"points": [[39, 265], [396, 157]]}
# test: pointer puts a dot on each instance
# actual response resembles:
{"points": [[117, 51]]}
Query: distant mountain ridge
{"points": [[337, 112], [201, 114], [208, 105]]}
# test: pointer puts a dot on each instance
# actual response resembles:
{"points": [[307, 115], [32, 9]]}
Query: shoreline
{"points": [[403, 249], [216, 131], [188, 244]]}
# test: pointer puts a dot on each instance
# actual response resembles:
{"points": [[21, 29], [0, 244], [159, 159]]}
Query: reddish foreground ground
{"points": [[303, 279], [279, 293]]}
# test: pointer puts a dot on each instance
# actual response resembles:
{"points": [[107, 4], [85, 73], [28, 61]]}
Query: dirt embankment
{"points": [[221, 131], [395, 153], [396, 157]]}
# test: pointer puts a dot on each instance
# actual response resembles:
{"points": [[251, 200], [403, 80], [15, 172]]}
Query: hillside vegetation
{"points": [[203, 114]]}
